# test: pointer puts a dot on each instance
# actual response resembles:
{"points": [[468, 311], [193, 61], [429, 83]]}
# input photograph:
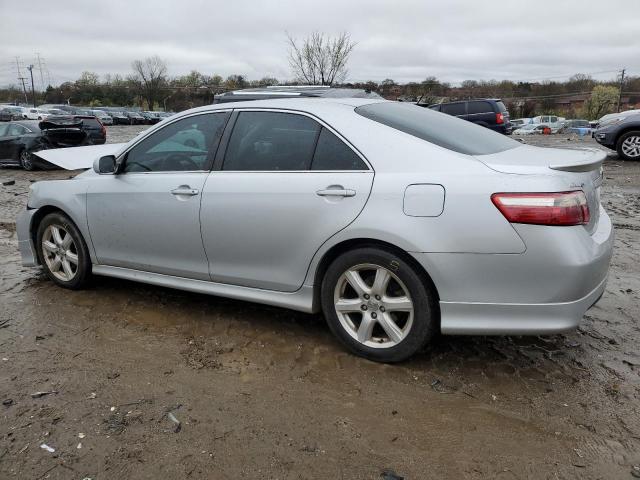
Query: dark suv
{"points": [[621, 133], [488, 112], [96, 131]]}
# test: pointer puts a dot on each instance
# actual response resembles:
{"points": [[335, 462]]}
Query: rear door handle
{"points": [[185, 190], [336, 192]]}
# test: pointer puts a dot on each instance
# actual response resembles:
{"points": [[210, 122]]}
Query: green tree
{"points": [[603, 100]]}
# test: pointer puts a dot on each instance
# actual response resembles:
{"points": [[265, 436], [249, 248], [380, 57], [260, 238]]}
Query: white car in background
{"points": [[530, 129], [31, 113], [103, 116]]}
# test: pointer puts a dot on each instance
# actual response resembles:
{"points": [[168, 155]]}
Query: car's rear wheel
{"points": [[26, 160], [63, 252], [378, 305], [628, 145]]}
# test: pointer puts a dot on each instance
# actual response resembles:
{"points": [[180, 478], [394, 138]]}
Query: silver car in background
{"points": [[395, 221]]}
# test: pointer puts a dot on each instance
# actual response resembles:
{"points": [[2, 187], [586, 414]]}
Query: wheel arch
{"points": [[630, 128], [351, 244]]}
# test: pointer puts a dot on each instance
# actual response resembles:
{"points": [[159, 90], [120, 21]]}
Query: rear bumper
{"points": [[546, 289], [25, 244]]}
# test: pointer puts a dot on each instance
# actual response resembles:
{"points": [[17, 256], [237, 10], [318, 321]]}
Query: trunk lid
{"points": [[578, 169]]}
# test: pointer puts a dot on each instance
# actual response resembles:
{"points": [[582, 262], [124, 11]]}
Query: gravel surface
{"points": [[145, 382]]}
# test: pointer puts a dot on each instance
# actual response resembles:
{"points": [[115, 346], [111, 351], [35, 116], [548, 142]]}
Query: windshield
{"points": [[438, 128]]}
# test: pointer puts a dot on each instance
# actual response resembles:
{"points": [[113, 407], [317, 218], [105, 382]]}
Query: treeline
{"points": [[196, 89]]}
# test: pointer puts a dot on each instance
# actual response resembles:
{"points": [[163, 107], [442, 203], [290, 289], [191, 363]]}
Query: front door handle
{"points": [[185, 190], [336, 192]]}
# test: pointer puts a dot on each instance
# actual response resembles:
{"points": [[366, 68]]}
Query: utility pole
{"points": [[621, 85], [33, 88], [24, 89]]}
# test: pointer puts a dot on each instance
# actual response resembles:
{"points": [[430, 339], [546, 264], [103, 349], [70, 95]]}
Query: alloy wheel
{"points": [[25, 160], [631, 146], [60, 252], [373, 306]]}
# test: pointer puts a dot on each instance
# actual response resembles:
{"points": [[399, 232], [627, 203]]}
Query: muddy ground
{"points": [[263, 392]]}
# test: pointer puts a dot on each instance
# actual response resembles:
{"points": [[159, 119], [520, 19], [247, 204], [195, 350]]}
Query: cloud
{"points": [[406, 41]]}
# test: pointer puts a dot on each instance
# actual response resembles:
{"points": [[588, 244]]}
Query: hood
{"points": [[617, 117], [77, 158]]}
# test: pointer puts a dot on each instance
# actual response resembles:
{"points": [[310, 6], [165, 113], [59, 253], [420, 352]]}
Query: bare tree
{"points": [[320, 59], [150, 76]]}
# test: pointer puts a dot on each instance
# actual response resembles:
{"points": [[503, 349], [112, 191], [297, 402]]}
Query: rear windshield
{"points": [[441, 129], [90, 122]]}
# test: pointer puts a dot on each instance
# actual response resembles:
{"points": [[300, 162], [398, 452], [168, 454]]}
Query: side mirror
{"points": [[105, 165]]}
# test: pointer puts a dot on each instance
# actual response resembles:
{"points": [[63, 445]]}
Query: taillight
{"points": [[562, 208], [499, 118]]}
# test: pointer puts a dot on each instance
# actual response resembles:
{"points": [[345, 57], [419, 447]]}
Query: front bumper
{"points": [[25, 243], [547, 289]]}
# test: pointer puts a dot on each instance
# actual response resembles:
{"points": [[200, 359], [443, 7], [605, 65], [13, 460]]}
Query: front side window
{"points": [[268, 141], [184, 145], [15, 129], [333, 154]]}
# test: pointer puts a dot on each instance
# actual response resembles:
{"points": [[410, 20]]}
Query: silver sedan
{"points": [[395, 221]]}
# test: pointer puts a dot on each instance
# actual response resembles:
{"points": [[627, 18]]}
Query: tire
{"points": [[628, 145], [395, 328], [26, 160], [62, 252]]}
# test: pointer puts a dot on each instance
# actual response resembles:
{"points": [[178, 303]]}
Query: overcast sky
{"points": [[402, 40]]}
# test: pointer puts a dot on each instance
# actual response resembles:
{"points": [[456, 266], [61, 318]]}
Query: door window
{"points": [[3, 130], [333, 154], [479, 107], [16, 129], [184, 145], [266, 141], [453, 108]]}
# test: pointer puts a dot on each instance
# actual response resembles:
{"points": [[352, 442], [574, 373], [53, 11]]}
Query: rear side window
{"points": [[453, 108], [442, 130], [501, 107], [333, 154], [479, 107], [265, 141]]}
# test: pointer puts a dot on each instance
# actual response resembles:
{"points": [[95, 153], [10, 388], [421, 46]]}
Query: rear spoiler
{"points": [[593, 162]]}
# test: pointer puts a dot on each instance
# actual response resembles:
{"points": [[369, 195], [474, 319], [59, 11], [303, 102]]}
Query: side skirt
{"points": [[300, 300]]}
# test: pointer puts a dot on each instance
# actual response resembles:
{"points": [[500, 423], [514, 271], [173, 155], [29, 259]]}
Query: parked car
{"points": [[20, 139], [461, 230], [581, 127], [615, 117], [96, 132], [103, 116], [150, 118], [531, 129], [135, 118], [11, 113], [622, 134], [490, 113], [119, 118], [517, 123]]}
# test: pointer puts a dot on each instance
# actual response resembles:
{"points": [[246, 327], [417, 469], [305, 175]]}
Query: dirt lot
{"points": [[262, 392]]}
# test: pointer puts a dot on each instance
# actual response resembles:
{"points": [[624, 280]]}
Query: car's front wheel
{"points": [[378, 305], [26, 160], [628, 145], [63, 252]]}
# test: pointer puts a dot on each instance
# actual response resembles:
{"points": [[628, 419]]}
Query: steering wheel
{"points": [[182, 160]]}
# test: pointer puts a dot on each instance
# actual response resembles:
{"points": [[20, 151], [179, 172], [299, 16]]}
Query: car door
{"points": [[286, 184], [146, 217], [10, 143]]}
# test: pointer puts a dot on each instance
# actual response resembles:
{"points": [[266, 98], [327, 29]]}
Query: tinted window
{"points": [[333, 154], [180, 146], [453, 108], [501, 107], [90, 122], [271, 141], [448, 132], [15, 129], [479, 107]]}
